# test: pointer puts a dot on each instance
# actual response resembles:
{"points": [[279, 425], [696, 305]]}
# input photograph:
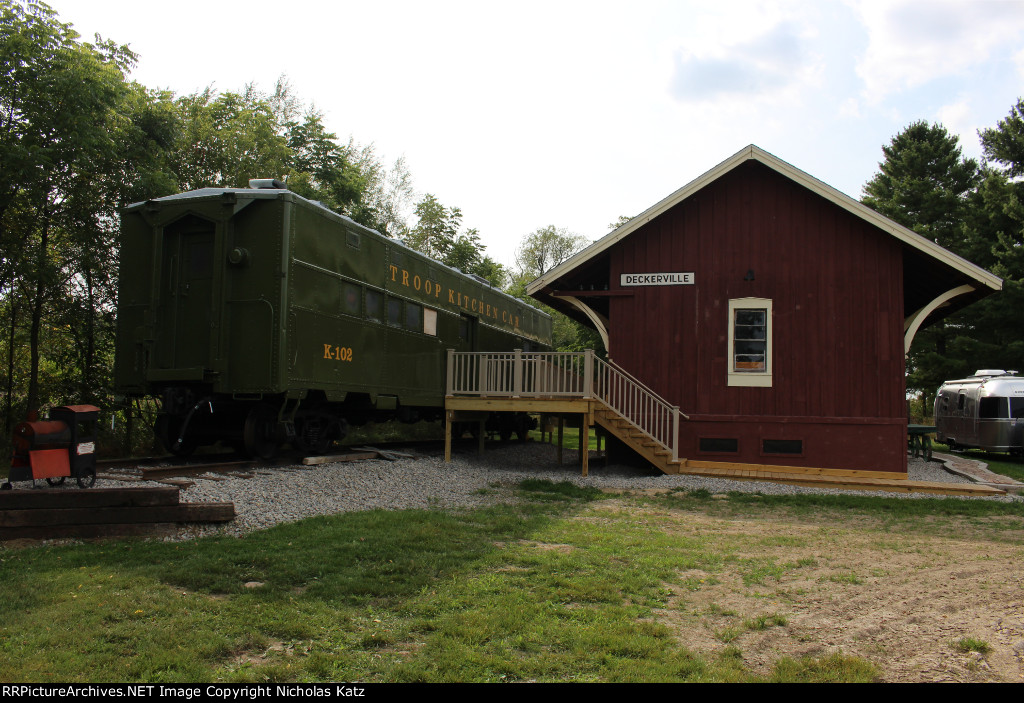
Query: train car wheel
{"points": [[58, 481], [87, 478], [260, 435], [167, 432]]}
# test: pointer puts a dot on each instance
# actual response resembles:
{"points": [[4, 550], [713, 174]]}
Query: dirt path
{"points": [[900, 601]]}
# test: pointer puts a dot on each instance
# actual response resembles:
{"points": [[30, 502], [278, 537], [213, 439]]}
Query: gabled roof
{"points": [[910, 238]]}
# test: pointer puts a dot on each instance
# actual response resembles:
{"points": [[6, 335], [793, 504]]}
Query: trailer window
{"points": [[992, 407], [1017, 408]]}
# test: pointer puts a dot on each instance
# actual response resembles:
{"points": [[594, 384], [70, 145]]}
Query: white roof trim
{"points": [[813, 184]]}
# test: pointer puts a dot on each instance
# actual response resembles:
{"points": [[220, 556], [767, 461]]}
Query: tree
{"points": [[1004, 143], [545, 248], [437, 228], [72, 133], [437, 235], [223, 140], [925, 184], [540, 251]]}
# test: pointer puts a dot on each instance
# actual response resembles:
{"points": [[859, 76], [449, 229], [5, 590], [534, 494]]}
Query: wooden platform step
{"points": [[856, 483], [98, 512]]}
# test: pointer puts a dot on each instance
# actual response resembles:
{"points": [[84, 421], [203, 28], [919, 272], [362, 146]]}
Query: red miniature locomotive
{"points": [[54, 449]]}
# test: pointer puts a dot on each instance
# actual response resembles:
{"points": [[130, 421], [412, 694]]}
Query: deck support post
{"points": [[561, 427], [585, 443], [482, 435], [448, 415]]}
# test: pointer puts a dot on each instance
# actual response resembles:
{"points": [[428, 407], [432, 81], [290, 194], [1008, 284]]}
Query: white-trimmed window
{"points": [[750, 342]]}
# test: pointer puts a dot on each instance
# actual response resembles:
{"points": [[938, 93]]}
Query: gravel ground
{"points": [[292, 493]]}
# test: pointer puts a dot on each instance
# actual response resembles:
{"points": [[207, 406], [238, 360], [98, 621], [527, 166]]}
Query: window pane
{"points": [[992, 407], [352, 302], [394, 312], [744, 348], [750, 317], [373, 305], [413, 317], [1016, 408], [750, 332], [430, 321]]}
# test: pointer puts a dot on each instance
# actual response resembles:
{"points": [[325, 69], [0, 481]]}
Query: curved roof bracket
{"points": [[599, 320], [913, 323]]}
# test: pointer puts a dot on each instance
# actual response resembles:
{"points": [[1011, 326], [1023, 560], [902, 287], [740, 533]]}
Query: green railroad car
{"points": [[261, 317]]}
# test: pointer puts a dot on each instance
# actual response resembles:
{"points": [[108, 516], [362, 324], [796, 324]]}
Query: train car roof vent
{"points": [[994, 372], [267, 184]]}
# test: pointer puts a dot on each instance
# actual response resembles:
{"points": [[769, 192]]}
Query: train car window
{"points": [[1017, 408], [394, 312], [413, 317], [373, 305], [993, 407], [960, 401], [351, 297], [352, 238], [430, 322]]}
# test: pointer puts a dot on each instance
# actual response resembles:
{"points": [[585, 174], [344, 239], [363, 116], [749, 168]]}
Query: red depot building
{"points": [[774, 311]]}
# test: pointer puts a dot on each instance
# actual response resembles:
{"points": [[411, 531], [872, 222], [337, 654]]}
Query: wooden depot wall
{"points": [[836, 286]]}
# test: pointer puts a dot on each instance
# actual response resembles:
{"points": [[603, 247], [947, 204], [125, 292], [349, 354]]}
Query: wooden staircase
{"points": [[640, 441]]}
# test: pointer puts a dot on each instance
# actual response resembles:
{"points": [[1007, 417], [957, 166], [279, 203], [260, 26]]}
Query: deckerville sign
{"points": [[656, 279]]}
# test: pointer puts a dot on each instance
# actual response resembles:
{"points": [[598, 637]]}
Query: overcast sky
{"points": [[571, 114]]}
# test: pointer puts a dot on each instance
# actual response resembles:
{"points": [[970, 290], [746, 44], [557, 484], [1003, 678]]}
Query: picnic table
{"points": [[919, 440]]}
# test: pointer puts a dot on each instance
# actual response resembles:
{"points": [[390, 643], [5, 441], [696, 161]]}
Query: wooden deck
{"points": [[561, 384]]}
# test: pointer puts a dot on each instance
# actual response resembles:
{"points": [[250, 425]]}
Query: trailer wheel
{"points": [[87, 478], [6, 486], [58, 481]]}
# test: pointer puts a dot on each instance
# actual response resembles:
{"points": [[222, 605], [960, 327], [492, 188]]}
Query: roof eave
{"points": [[826, 191]]}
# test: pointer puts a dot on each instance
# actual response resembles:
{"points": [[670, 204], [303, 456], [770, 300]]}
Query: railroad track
{"points": [[39, 513], [170, 468]]}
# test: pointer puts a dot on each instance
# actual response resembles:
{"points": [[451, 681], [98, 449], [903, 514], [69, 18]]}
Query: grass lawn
{"points": [[550, 588]]}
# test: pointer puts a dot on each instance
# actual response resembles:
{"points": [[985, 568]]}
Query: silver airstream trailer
{"points": [[985, 411]]}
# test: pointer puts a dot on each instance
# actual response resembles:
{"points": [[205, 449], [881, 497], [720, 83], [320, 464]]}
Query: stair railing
{"points": [[566, 375]]}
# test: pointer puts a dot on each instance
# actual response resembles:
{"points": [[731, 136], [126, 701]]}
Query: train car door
{"points": [[468, 333], [187, 283]]}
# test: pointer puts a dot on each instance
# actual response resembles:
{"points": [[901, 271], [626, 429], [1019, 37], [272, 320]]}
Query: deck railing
{"points": [[565, 375]]}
